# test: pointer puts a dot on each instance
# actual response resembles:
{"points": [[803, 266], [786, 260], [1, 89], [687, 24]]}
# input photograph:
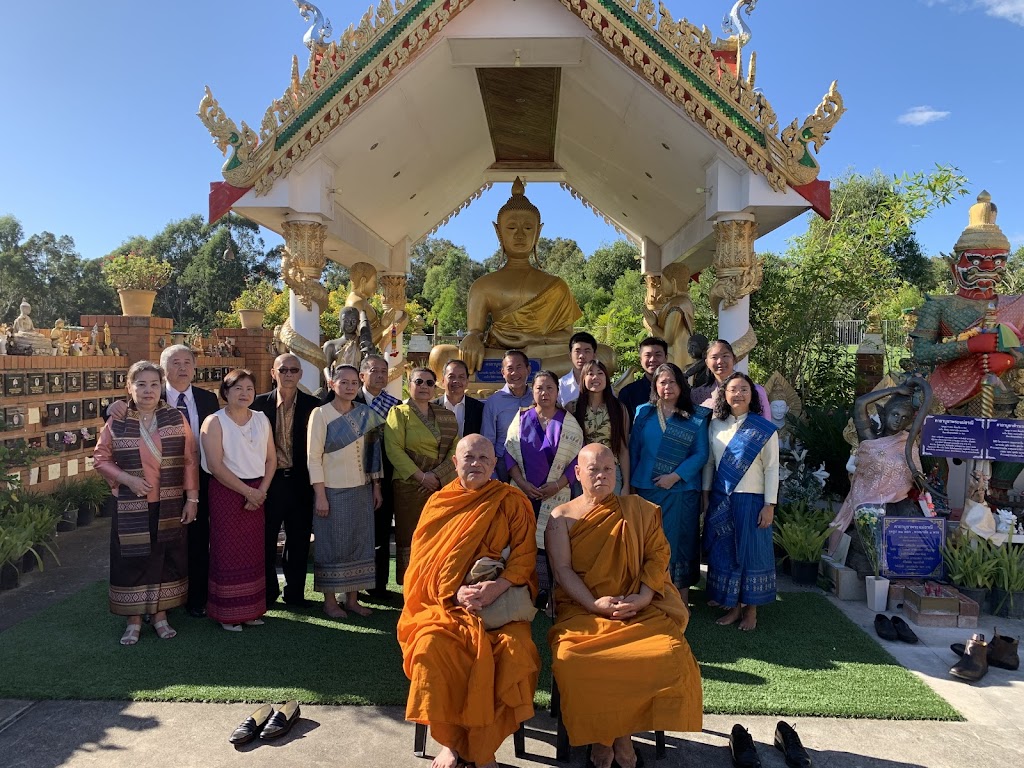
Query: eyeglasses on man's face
{"points": [[289, 370]]}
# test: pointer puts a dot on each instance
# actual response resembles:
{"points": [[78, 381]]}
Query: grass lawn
{"points": [[805, 658]]}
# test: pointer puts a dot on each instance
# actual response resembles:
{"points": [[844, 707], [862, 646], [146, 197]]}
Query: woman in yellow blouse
{"points": [[420, 439]]}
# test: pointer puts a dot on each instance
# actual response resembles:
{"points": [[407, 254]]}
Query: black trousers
{"points": [[289, 503], [199, 549], [382, 527]]}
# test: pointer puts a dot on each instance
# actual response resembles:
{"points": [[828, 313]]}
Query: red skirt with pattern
{"points": [[238, 587]]}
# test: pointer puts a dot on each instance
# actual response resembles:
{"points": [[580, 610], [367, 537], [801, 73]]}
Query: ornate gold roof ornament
{"points": [[800, 164], [982, 232], [241, 166]]}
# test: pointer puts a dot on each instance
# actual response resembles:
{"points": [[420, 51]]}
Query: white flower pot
{"points": [[878, 593]]}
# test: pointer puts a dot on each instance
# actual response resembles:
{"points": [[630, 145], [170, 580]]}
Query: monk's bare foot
{"points": [[749, 618], [601, 755], [625, 755], [731, 617], [446, 758]]}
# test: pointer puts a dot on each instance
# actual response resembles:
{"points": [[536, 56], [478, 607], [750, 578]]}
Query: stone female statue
{"points": [[887, 464], [354, 343]]}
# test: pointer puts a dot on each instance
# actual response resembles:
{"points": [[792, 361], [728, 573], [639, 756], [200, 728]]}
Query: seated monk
{"points": [[618, 652], [471, 686], [526, 307]]}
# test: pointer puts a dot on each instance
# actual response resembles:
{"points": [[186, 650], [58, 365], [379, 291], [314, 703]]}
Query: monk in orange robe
{"points": [[471, 686], [617, 646]]}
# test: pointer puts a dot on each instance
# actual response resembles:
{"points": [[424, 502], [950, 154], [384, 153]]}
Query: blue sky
{"points": [[100, 139]]}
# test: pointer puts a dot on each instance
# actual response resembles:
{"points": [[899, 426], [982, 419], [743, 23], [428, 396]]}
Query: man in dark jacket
{"points": [[469, 411], [290, 496]]}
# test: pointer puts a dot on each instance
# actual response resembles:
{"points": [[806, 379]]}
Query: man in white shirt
{"points": [[582, 349], [469, 411]]}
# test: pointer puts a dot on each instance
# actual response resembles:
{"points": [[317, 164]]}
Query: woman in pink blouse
{"points": [[150, 459]]}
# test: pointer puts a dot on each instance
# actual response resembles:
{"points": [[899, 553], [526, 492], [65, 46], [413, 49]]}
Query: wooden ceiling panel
{"points": [[521, 104]]}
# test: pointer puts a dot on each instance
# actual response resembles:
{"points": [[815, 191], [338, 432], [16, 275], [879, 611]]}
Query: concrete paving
{"points": [[103, 733]]}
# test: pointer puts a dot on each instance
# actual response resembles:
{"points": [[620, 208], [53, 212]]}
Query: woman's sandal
{"points": [[164, 630], [131, 634]]}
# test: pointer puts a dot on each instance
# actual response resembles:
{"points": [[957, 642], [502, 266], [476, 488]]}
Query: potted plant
{"points": [[252, 302], [970, 565], [802, 541], [92, 493], [1008, 586], [136, 280], [868, 524]]}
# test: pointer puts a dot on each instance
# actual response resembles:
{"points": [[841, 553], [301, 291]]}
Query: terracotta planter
{"points": [[251, 318], [137, 303], [877, 589]]}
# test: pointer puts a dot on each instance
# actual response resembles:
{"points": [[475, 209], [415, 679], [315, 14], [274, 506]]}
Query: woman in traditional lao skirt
{"points": [[741, 505], [343, 445], [540, 452], [238, 450], [151, 461], [420, 439], [603, 419], [668, 449]]}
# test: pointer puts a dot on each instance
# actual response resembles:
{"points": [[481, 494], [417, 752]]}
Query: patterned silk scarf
{"points": [[361, 420], [133, 530]]}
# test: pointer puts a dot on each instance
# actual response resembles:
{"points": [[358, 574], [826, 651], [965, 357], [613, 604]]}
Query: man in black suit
{"points": [[290, 496], [469, 411], [179, 364], [373, 373]]}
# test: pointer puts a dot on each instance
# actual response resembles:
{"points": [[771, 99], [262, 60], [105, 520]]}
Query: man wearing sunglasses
{"points": [[290, 496]]}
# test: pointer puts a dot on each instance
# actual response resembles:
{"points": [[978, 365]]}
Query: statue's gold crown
{"points": [[519, 201], [982, 232]]}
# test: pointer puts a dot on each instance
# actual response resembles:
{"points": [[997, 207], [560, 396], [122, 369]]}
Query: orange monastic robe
{"points": [[622, 677], [471, 686]]}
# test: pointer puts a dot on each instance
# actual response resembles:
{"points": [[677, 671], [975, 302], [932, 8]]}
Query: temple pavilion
{"points": [[404, 119]]}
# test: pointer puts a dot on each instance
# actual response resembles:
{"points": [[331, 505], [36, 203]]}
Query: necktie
{"points": [[183, 407]]}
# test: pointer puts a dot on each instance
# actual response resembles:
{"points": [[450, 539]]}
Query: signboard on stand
{"points": [[912, 547]]}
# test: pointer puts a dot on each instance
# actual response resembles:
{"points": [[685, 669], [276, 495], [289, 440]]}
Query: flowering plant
{"points": [[799, 481], [132, 272], [868, 522]]}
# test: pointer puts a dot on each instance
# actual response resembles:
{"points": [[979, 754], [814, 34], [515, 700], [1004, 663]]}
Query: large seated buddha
{"points": [[518, 306]]}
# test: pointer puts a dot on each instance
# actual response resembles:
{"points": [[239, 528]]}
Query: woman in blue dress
{"points": [[668, 448]]}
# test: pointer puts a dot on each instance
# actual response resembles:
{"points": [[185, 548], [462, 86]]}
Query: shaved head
{"points": [[474, 461], [595, 469]]}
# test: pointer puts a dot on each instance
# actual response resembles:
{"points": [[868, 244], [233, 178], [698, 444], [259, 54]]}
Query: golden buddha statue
{"points": [[526, 308]]}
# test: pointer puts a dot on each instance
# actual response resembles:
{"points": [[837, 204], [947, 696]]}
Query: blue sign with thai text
{"points": [[490, 371], [912, 547], [956, 437]]}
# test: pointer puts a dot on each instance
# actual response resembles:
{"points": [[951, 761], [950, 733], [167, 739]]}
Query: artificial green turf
{"points": [[805, 658]]}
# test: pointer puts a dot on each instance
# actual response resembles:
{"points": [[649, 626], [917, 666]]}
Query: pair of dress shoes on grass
{"points": [[266, 723], [744, 753]]}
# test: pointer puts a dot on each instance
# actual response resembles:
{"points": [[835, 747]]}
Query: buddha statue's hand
{"points": [[471, 350]]}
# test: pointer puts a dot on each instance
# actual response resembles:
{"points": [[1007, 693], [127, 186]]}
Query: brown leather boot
{"points": [[1002, 651], [973, 665]]}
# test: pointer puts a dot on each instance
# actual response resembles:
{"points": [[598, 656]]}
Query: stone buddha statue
{"points": [[518, 306], [25, 332]]}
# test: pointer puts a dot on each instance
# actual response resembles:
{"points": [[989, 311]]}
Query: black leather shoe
{"points": [[250, 728], [885, 629], [903, 631], [197, 613], [788, 743], [744, 753], [282, 721]]}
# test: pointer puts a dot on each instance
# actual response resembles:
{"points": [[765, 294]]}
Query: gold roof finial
{"points": [[982, 232]]}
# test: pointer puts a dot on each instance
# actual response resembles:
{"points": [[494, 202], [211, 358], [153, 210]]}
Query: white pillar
{"points": [[733, 322]]}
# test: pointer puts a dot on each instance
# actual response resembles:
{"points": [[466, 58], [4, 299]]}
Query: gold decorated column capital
{"points": [[738, 270], [304, 260], [393, 285]]}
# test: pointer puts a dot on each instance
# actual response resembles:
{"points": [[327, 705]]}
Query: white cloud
{"points": [[918, 116], [1010, 10]]}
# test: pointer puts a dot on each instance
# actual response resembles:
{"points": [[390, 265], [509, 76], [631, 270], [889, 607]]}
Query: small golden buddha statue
{"points": [[518, 306]]}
